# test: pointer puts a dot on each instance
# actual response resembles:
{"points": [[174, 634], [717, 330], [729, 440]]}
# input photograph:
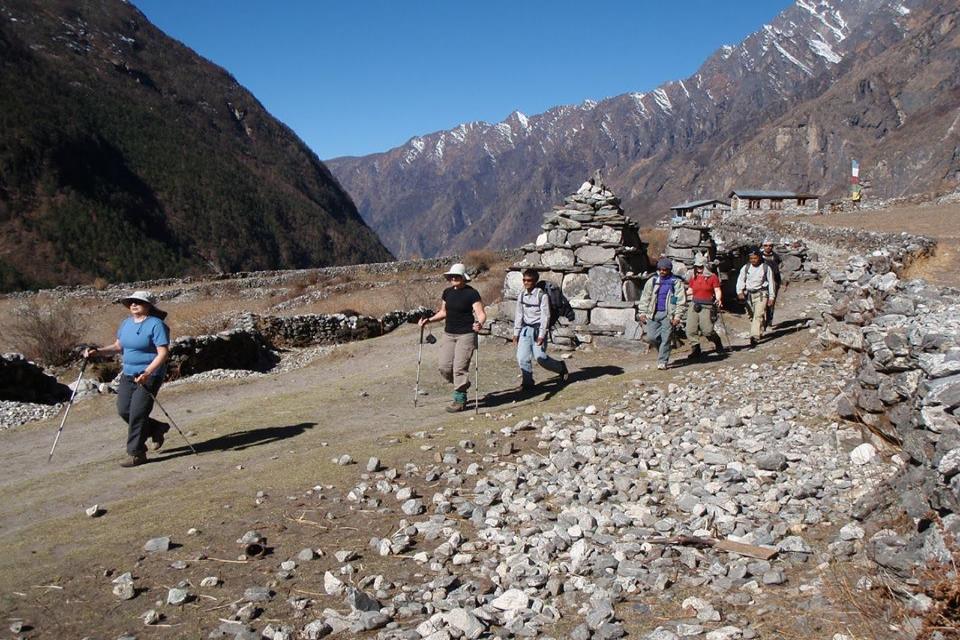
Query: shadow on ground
{"points": [[239, 440], [546, 390]]}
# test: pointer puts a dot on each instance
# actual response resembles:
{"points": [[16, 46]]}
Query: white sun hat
{"points": [[145, 297], [458, 270]]}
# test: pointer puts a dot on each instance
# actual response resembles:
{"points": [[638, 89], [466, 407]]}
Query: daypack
{"points": [[559, 305], [768, 273]]}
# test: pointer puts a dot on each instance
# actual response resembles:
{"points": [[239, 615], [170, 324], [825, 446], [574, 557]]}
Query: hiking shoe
{"points": [[155, 441], [564, 373], [695, 351], [456, 407], [528, 386], [661, 365], [134, 461], [753, 342]]}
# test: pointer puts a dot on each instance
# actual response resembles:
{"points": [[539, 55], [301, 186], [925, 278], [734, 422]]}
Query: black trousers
{"points": [[134, 405]]}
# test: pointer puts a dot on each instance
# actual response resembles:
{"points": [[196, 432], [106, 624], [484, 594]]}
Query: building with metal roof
{"points": [[745, 200]]}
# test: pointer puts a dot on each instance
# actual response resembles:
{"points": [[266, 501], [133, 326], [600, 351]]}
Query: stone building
{"points": [[747, 200], [701, 210], [594, 253]]}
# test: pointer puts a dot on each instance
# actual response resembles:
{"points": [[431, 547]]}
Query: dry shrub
{"points": [[47, 332], [479, 260], [198, 320], [941, 583], [100, 284]]}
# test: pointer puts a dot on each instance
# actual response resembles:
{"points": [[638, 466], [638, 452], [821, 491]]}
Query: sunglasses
{"points": [[454, 277], [529, 280]]}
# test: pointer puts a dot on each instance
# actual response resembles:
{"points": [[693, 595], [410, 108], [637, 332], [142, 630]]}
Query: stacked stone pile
{"points": [[593, 252], [687, 240], [906, 392], [319, 329], [234, 349]]}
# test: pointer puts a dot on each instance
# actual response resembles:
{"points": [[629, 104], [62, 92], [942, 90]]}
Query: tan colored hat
{"points": [[458, 270]]}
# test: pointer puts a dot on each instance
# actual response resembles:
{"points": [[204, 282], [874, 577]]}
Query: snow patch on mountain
{"points": [[824, 50], [663, 100], [786, 54], [416, 148], [838, 29]]}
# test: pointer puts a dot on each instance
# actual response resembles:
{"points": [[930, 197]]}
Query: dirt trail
{"points": [[277, 434]]}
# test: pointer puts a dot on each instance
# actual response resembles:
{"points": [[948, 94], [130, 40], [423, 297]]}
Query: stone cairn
{"points": [[593, 252], [687, 240]]}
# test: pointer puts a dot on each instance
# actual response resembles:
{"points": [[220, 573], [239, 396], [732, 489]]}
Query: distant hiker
{"points": [[662, 306], [531, 322], [774, 261], [707, 300], [462, 310], [144, 341], [756, 287]]}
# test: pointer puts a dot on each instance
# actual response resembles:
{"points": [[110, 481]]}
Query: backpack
{"points": [[559, 305], [768, 273]]}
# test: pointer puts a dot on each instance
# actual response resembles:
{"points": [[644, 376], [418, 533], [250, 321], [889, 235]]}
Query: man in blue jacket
{"points": [[662, 306]]}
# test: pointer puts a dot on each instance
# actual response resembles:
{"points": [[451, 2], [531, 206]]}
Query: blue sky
{"points": [[361, 76]]}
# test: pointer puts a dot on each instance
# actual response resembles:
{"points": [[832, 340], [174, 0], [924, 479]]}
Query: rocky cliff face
{"points": [[125, 155], [788, 107]]}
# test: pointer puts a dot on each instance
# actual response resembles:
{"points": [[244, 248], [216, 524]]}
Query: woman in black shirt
{"points": [[463, 311]]}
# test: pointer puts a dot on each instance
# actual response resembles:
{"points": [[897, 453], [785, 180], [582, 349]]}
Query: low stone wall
{"points": [[902, 248], [906, 392], [234, 349], [24, 381]]}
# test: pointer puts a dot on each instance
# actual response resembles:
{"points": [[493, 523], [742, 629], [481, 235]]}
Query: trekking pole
{"points": [[476, 396], [151, 394], [416, 393], [73, 395], [724, 325]]}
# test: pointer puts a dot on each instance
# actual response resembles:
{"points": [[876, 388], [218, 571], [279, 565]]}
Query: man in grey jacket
{"points": [[662, 306], [530, 325], [756, 287]]}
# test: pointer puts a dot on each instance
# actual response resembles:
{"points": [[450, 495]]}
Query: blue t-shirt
{"points": [[140, 342], [666, 289]]}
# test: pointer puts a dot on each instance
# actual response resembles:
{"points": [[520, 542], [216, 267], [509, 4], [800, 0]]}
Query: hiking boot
{"points": [[528, 386], [753, 342], [695, 351], [134, 461], [661, 365], [155, 441], [564, 373], [456, 407]]}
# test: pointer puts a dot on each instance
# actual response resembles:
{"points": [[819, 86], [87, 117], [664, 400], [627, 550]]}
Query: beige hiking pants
{"points": [[700, 323], [456, 352], [758, 321]]}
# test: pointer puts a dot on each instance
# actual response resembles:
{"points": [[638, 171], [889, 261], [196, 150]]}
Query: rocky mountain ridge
{"points": [[788, 107], [125, 155]]}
